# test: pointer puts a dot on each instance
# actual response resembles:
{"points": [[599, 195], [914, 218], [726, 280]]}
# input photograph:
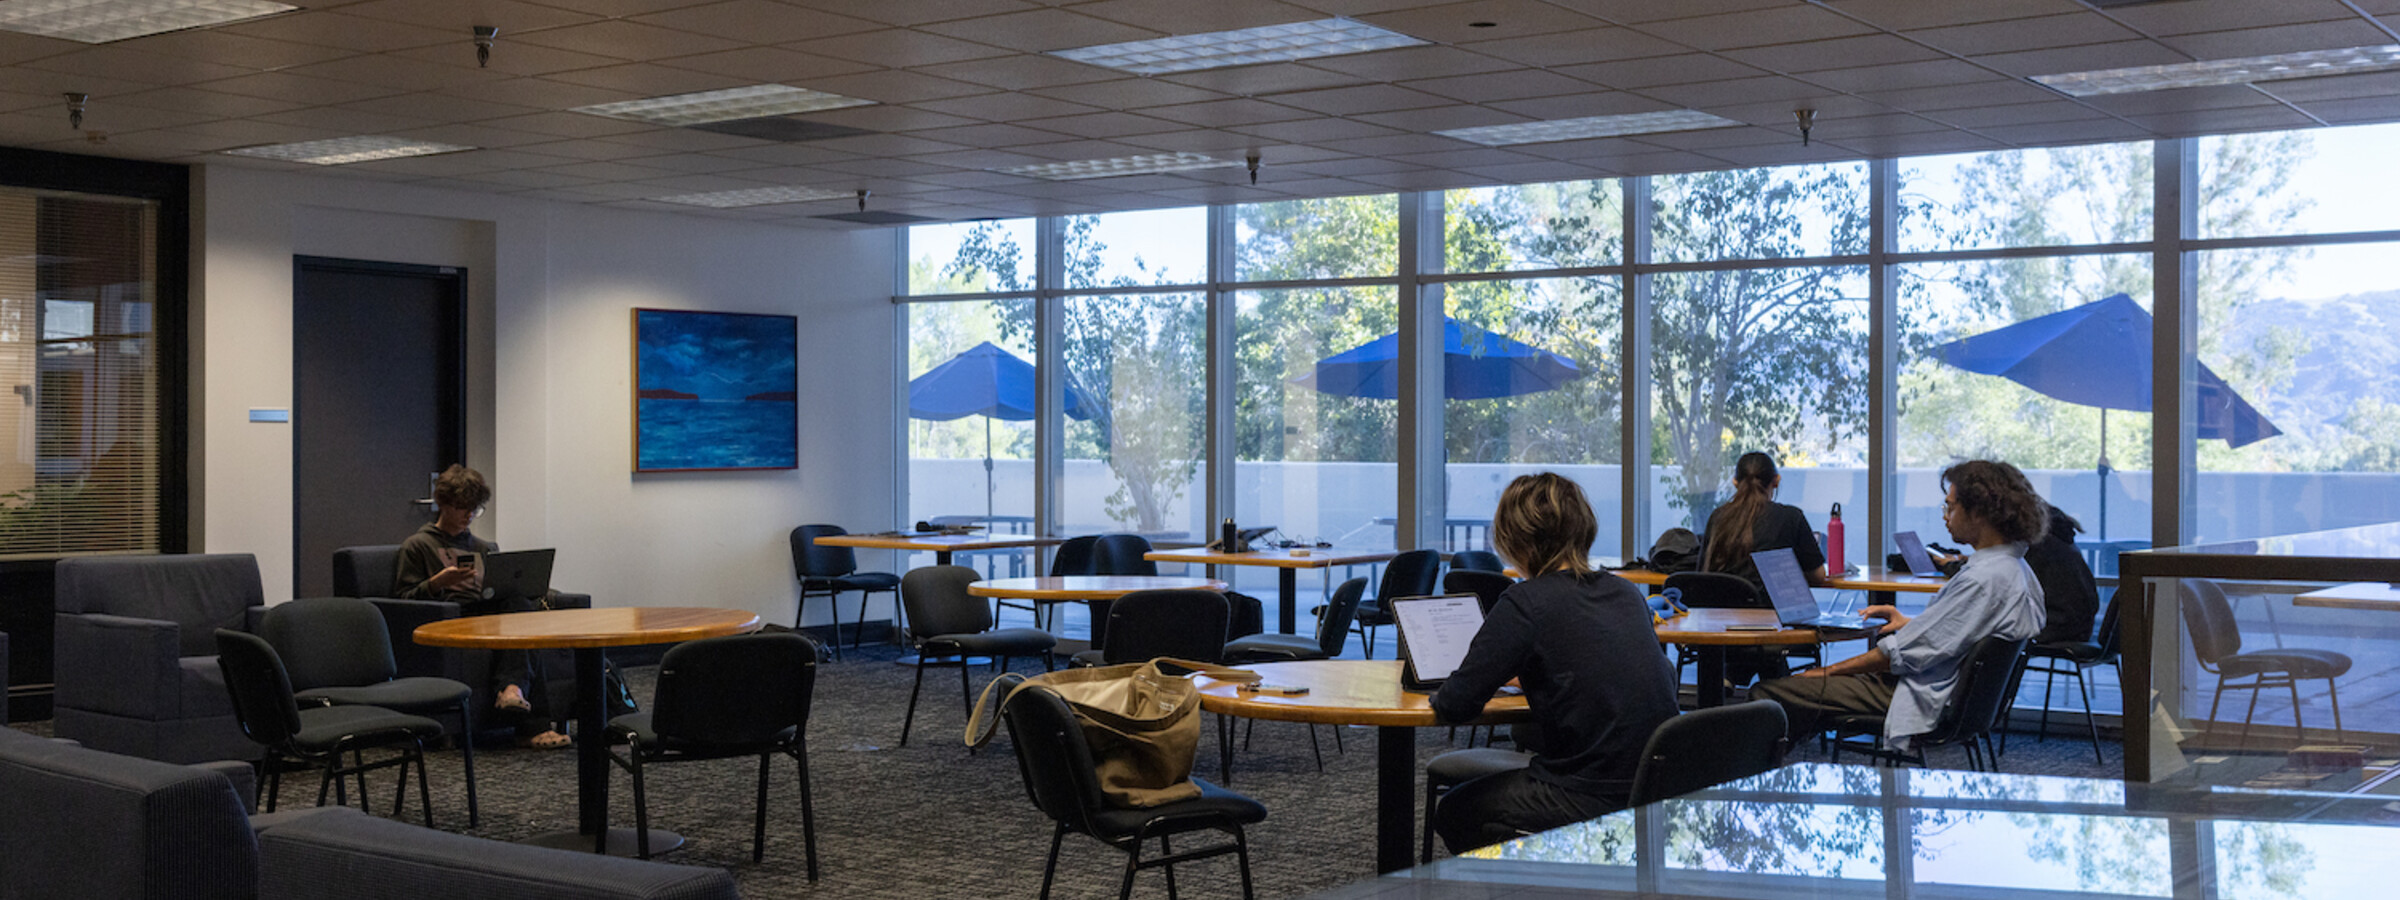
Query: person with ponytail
{"points": [[1753, 521]]}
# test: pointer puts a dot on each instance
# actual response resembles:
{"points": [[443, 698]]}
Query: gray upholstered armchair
{"points": [[367, 572], [136, 658]]}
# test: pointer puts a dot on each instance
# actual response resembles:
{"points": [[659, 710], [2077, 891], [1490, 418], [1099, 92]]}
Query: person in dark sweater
{"points": [[1581, 645], [437, 563], [2070, 599], [1753, 521]]}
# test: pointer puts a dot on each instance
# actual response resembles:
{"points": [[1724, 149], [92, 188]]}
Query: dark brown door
{"points": [[378, 403]]}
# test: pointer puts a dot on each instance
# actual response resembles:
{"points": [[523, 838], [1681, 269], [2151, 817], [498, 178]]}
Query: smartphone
{"points": [[1276, 690], [468, 561]]}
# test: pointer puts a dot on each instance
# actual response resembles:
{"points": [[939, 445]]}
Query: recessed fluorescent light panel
{"points": [[342, 151], [2208, 73], [1241, 47], [1589, 127], [726, 105], [755, 197], [1152, 164], [101, 21]]}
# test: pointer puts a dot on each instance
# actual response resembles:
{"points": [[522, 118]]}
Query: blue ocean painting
{"points": [[714, 391]]}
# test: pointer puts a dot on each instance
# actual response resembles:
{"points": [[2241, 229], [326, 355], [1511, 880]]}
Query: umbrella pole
{"points": [[2104, 473], [987, 472]]}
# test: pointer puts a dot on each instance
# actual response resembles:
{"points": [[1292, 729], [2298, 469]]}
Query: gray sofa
{"points": [[95, 825], [136, 661], [368, 573]]}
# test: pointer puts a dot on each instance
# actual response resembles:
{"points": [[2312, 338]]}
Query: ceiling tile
{"points": [[1186, 17], [2281, 39], [1739, 90], [917, 12], [2307, 90], [1271, 78], [1397, 145], [2025, 34], [887, 117], [758, 22], [683, 139], [1902, 15], [988, 135], [1835, 53], [588, 150], [2353, 111], [2054, 133], [127, 65], [1104, 125], [1443, 118], [2017, 114], [627, 40], [1534, 171], [439, 107], [26, 80], [399, 73], [2081, 59], [1784, 23], [1577, 106], [1412, 62], [1021, 72], [1957, 96], [284, 86], [1687, 68], [2192, 16], [899, 48], [1220, 113], [767, 65], [1042, 29], [542, 93], [1207, 141], [459, 15], [1005, 107], [1363, 98], [221, 47], [326, 29], [566, 124], [618, 9], [472, 136], [887, 145], [647, 79], [2157, 102], [1466, 156], [1455, 23], [518, 59], [205, 102], [1130, 93], [894, 86], [1577, 47], [1306, 131], [1932, 73], [2218, 121], [1502, 85]]}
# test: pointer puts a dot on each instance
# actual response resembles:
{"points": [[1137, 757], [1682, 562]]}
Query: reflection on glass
{"points": [[1135, 365], [2043, 197], [2116, 855], [1775, 838], [2284, 860], [1548, 416], [2298, 182], [971, 257], [1516, 227], [1333, 237], [1760, 213], [1958, 785], [1605, 841]]}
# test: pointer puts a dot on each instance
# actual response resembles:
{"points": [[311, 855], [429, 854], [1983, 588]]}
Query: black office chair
{"points": [[2217, 646], [1476, 561], [2072, 659], [1411, 574], [1974, 708], [1121, 554], [338, 652], [319, 737], [1485, 585], [952, 627], [830, 571], [725, 698], [1716, 590], [1333, 631], [1147, 625], [1060, 779], [1457, 767], [1074, 556], [1708, 747]]}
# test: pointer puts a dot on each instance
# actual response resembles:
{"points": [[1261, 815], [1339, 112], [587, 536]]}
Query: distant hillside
{"points": [[2353, 352]]}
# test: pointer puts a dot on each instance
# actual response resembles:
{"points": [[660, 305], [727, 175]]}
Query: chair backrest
{"points": [[2112, 628], [1985, 678], [88, 823], [1486, 586], [1074, 556], [1060, 777], [938, 602], [1333, 623], [262, 693], [2209, 617], [1184, 624], [1412, 574], [1121, 554], [738, 690], [199, 592], [1708, 747], [1716, 590], [812, 560], [330, 642], [366, 571], [1476, 561]]}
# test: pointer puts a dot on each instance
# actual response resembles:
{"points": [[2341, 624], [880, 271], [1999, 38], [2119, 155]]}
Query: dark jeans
{"points": [[1808, 702], [512, 667], [1508, 805]]}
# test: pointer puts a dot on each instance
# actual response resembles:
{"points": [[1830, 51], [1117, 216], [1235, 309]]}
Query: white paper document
{"points": [[1436, 632]]}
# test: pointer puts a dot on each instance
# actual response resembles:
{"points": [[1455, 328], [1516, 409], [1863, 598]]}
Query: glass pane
{"points": [[1534, 388], [1134, 438], [2308, 340], [971, 257], [1320, 464], [1760, 213], [1773, 360], [1335, 237], [1138, 249], [1514, 228], [2046, 197], [2045, 853], [2322, 181], [976, 465]]}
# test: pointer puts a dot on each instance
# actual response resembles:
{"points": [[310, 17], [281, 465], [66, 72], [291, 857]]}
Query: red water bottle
{"points": [[1833, 544]]}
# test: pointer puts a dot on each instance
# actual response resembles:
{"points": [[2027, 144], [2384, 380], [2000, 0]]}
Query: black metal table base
{"points": [[621, 841]]}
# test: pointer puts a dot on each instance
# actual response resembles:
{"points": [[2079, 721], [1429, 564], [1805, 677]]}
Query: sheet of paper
{"points": [[1437, 631]]}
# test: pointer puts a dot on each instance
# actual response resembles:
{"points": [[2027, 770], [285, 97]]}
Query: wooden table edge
{"points": [[431, 634]]}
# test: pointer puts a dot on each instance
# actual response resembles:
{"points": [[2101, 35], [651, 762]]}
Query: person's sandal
{"points": [[548, 740], [512, 704]]}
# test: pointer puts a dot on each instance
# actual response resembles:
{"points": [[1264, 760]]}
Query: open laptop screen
{"points": [[1434, 635], [1912, 551], [1787, 586]]}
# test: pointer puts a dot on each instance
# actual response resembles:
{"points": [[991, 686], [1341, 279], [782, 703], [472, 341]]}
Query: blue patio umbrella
{"points": [[982, 381], [2098, 354], [1476, 365]]}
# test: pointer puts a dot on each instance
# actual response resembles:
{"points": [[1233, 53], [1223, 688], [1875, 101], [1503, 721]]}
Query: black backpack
{"points": [[1677, 550]]}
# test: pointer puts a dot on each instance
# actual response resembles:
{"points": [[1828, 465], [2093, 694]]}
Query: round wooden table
{"points": [[1708, 631], [1094, 591], [1354, 692], [589, 632]]}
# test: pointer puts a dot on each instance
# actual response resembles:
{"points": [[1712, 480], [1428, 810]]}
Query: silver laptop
{"points": [[1796, 604], [1912, 551]]}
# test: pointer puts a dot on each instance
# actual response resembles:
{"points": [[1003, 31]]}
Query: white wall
{"points": [[549, 370]]}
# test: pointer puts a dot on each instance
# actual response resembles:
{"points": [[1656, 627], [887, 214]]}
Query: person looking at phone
{"points": [[1911, 672], [439, 563], [1580, 644]]}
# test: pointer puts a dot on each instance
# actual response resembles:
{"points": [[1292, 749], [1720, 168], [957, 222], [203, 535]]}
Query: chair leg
{"points": [[1312, 747], [424, 794], [466, 755], [758, 826], [641, 810], [1241, 853], [2257, 687], [1050, 867], [2084, 686], [808, 806], [2049, 680], [1133, 863], [1224, 749], [2214, 701], [1425, 843], [911, 719], [2333, 695], [2299, 729], [966, 696], [1167, 850], [860, 633], [1337, 740]]}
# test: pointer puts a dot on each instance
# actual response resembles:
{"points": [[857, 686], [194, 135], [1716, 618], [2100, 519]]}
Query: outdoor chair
{"points": [[726, 698], [319, 737], [337, 653], [830, 572], [2217, 646], [953, 627]]}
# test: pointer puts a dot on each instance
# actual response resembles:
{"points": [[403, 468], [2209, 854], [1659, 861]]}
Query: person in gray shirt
{"points": [[1913, 669]]}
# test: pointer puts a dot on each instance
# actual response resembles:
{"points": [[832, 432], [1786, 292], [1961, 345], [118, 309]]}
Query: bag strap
{"points": [[984, 722], [1212, 670]]}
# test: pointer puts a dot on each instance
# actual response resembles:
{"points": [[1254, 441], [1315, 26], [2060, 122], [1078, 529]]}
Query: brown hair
{"points": [[1544, 524], [459, 487], [1998, 494], [1753, 488]]}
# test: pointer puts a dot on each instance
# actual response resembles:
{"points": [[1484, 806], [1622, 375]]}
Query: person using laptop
{"points": [[1750, 522], [1580, 644], [438, 563], [1908, 675]]}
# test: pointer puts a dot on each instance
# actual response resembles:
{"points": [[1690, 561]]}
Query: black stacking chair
{"points": [[2072, 659], [830, 571], [1457, 767], [1147, 625], [2217, 646], [264, 708], [1984, 679], [338, 652], [1060, 780], [1716, 590], [1411, 574], [1485, 585], [1708, 747], [1074, 556], [1333, 631], [1476, 561], [952, 627], [725, 698], [1121, 554]]}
